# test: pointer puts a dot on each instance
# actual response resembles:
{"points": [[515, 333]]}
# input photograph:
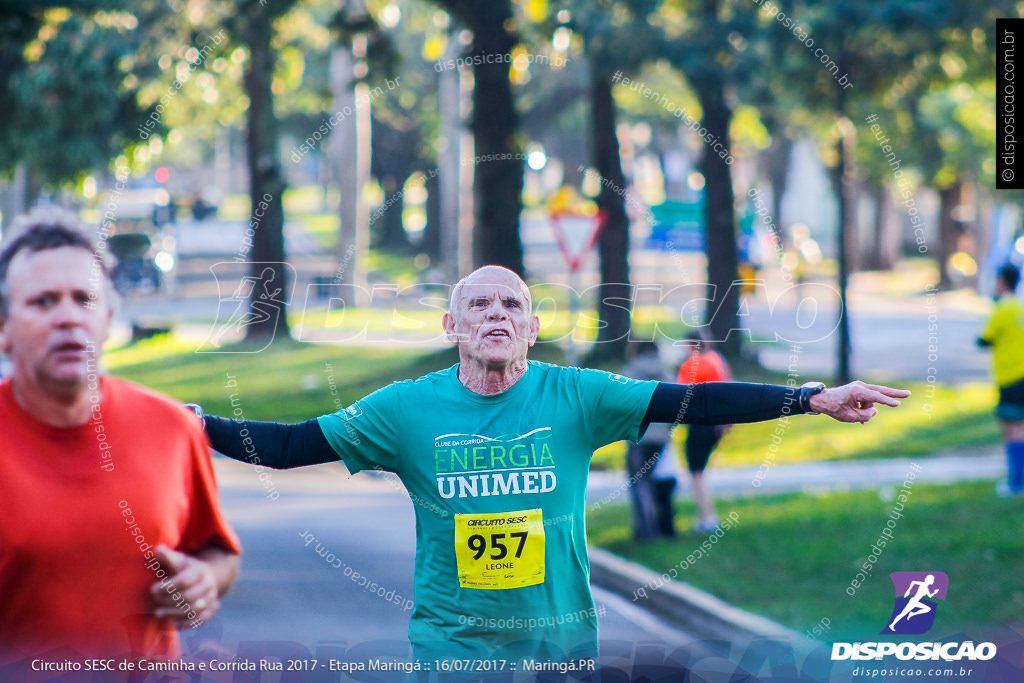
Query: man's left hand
{"points": [[190, 587], [855, 402]]}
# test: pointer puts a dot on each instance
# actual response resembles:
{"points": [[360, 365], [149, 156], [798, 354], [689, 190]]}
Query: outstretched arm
{"points": [[270, 444], [713, 403]]}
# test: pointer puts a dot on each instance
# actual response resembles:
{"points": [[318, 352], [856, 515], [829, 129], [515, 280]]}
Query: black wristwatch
{"points": [[808, 389]]}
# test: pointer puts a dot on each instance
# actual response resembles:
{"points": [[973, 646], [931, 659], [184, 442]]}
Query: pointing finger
{"points": [[889, 391], [870, 396]]}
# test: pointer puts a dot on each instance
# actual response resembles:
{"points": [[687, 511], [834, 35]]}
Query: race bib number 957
{"points": [[500, 550]]}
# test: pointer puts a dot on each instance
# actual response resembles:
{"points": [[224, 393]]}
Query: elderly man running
{"points": [[496, 450]]}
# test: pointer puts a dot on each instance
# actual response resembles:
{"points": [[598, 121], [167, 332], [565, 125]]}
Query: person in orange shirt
{"points": [[703, 365], [110, 532]]}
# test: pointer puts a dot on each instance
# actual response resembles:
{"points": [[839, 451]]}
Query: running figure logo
{"points": [[914, 613], [253, 299]]}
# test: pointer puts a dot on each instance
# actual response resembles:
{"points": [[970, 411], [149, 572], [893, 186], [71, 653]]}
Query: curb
{"points": [[683, 605]]}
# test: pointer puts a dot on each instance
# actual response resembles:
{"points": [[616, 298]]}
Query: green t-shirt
{"points": [[491, 584]]}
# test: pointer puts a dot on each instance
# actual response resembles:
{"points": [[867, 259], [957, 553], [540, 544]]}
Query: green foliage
{"points": [[940, 113], [617, 36], [63, 122]]}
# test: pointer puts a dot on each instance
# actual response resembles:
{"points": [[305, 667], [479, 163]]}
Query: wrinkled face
{"points": [[52, 317], [491, 319]]}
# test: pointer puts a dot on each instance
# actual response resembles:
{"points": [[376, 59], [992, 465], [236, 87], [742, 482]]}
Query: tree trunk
{"points": [[842, 182], [949, 231], [886, 248], [983, 217], [13, 197], [268, 299], [872, 258], [614, 300], [778, 174], [722, 312], [344, 142], [393, 160], [33, 187], [498, 171], [392, 236], [451, 174], [431, 245], [387, 231]]}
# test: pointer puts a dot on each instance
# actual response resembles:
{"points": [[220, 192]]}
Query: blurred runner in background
{"points": [[644, 363], [703, 365], [1005, 335]]}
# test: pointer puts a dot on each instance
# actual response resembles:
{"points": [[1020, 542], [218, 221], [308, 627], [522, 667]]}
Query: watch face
{"points": [[813, 386]]}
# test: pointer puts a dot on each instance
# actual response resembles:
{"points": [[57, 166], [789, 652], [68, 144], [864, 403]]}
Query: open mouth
{"points": [[69, 348], [498, 333]]}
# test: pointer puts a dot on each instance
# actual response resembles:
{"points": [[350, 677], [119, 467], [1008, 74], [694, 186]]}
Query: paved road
{"points": [[892, 337]]}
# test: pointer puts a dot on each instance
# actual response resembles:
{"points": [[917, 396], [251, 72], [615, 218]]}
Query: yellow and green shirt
{"points": [[1005, 332]]}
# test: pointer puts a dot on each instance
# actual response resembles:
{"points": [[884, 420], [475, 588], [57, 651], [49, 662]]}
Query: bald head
{"points": [[491, 276], [491, 320]]}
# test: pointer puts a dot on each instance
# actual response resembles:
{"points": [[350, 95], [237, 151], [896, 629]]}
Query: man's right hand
{"points": [[191, 587]]}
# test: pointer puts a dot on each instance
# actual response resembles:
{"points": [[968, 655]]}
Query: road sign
{"points": [[679, 224], [576, 235]]}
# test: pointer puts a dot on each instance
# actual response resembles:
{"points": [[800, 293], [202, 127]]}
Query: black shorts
{"points": [[700, 441], [1011, 402]]}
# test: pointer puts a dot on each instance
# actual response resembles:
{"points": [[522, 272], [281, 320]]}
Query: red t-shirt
{"points": [[82, 510], [707, 366]]}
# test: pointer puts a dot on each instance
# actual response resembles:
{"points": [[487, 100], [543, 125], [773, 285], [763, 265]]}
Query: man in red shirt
{"points": [[110, 532]]}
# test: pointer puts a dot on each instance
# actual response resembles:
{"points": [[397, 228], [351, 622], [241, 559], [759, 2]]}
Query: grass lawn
{"points": [[792, 557]]}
